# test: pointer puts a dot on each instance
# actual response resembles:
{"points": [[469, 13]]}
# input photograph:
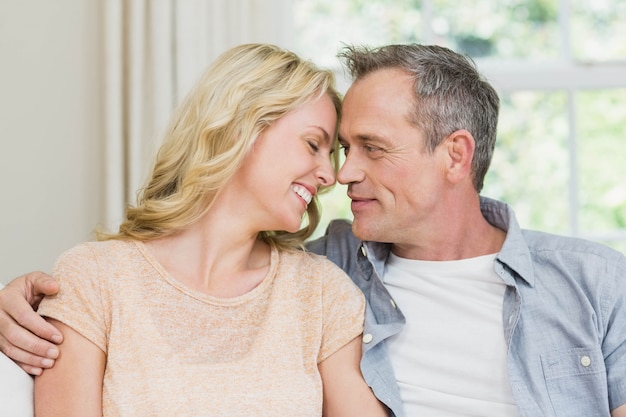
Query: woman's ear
{"points": [[460, 146]]}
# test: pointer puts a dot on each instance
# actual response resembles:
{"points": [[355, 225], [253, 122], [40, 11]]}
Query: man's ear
{"points": [[460, 146]]}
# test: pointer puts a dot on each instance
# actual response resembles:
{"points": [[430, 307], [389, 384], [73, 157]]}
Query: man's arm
{"points": [[25, 337]]}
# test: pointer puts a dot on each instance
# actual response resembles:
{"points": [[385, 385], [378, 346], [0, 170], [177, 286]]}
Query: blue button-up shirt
{"points": [[564, 315]]}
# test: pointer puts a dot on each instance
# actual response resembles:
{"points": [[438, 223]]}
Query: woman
{"points": [[204, 303]]}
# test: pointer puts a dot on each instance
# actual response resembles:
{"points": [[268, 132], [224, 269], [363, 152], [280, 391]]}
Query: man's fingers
{"points": [[16, 307], [36, 285], [31, 323], [26, 337], [32, 370], [21, 344], [29, 362], [15, 338]]}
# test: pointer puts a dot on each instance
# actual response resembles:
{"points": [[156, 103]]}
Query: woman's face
{"points": [[287, 164]]}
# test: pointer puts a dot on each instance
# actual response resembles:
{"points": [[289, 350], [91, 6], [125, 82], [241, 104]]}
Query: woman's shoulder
{"points": [[312, 268], [100, 252], [111, 246], [305, 259]]}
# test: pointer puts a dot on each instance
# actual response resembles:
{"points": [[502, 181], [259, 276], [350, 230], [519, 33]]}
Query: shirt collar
{"points": [[514, 254]]}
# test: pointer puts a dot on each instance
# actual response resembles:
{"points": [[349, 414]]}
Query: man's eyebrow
{"points": [[365, 138]]}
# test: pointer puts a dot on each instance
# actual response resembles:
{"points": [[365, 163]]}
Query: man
{"points": [[467, 314]]}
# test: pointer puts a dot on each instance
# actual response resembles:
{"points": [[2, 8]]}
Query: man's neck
{"points": [[463, 235]]}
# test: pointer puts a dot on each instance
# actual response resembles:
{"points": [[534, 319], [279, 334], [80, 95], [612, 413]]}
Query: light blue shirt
{"points": [[564, 315]]}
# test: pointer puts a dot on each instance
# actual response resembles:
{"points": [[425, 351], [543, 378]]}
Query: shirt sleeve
{"points": [[80, 303], [343, 311], [614, 343]]}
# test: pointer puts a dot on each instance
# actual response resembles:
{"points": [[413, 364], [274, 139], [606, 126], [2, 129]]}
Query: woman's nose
{"points": [[326, 174]]}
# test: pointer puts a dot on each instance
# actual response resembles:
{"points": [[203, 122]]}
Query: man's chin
{"points": [[363, 233]]}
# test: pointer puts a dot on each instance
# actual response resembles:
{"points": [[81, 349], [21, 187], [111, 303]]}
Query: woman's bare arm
{"points": [[345, 391], [73, 387], [619, 411]]}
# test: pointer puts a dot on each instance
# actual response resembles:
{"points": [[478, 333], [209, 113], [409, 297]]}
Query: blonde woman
{"points": [[204, 304]]}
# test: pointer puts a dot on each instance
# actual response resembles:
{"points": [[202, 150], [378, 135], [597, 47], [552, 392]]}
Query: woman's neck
{"points": [[214, 257]]}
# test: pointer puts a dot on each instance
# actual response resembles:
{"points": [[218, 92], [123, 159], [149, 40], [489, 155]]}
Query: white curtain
{"points": [[154, 51]]}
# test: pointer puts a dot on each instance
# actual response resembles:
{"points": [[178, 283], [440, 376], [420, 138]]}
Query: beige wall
{"points": [[50, 130]]}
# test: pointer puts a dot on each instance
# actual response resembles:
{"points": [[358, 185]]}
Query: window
{"points": [[560, 69]]}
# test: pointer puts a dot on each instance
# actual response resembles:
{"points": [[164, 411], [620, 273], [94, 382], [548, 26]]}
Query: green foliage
{"points": [[530, 167], [601, 126]]}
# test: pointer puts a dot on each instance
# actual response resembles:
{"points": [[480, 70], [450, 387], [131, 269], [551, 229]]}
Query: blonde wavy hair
{"points": [[243, 92]]}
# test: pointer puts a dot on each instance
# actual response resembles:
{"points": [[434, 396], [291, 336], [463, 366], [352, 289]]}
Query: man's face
{"points": [[392, 180]]}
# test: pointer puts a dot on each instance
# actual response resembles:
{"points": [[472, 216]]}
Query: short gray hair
{"points": [[450, 94]]}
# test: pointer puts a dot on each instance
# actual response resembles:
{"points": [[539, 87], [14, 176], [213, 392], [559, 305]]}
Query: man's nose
{"points": [[350, 171]]}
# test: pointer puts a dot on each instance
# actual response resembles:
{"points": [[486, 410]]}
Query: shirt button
{"points": [[393, 303], [585, 361], [363, 251], [367, 338]]}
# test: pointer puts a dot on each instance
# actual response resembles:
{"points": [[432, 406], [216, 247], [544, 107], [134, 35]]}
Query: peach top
{"points": [[174, 351]]}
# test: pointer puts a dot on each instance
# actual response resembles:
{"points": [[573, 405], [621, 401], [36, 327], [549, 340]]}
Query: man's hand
{"points": [[26, 337]]}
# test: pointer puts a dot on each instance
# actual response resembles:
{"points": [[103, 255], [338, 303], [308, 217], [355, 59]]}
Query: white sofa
{"points": [[16, 389]]}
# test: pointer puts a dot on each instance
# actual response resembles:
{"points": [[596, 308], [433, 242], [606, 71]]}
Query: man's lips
{"points": [[356, 197], [359, 202]]}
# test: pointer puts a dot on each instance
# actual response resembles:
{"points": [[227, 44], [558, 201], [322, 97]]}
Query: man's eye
{"points": [[374, 152]]}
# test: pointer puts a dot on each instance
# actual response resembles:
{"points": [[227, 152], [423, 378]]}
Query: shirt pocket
{"points": [[576, 382]]}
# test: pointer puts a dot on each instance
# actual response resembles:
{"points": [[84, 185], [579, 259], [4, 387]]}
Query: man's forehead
{"points": [[375, 114], [364, 126]]}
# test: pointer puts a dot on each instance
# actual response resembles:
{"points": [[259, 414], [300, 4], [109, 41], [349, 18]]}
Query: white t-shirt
{"points": [[450, 359]]}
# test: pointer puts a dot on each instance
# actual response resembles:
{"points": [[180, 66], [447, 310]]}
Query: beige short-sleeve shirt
{"points": [[173, 351]]}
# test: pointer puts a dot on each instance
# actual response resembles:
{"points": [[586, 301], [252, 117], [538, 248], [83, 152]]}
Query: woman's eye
{"points": [[314, 146]]}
